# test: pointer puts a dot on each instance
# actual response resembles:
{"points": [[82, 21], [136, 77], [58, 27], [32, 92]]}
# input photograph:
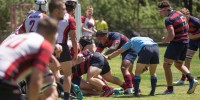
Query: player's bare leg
{"points": [[127, 75], [92, 75], [188, 59]]}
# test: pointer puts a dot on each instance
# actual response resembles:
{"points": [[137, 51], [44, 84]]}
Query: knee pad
{"points": [[189, 57], [167, 63]]}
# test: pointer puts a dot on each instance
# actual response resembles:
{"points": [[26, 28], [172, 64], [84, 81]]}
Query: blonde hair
{"points": [[185, 11], [89, 8]]}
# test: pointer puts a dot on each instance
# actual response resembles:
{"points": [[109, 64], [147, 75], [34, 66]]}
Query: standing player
{"points": [[148, 55], [114, 41], [31, 22], [67, 26], [88, 29], [21, 57], [177, 27], [194, 43]]}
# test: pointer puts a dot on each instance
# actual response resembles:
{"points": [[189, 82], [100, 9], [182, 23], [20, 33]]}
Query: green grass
{"points": [[180, 91]]}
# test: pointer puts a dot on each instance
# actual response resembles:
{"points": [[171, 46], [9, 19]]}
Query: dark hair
{"points": [[164, 4], [70, 5], [55, 5], [134, 34], [49, 25], [101, 33]]}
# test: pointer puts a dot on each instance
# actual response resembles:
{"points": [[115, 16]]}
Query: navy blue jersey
{"points": [[177, 20], [112, 38], [194, 25]]}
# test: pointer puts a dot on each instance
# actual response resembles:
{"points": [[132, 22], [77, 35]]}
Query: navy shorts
{"points": [[9, 91], [176, 51], [65, 55], [149, 55], [194, 44], [76, 80], [130, 55], [99, 61]]}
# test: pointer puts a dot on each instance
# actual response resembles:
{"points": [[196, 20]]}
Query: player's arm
{"points": [[87, 30], [170, 31], [112, 48], [193, 37], [121, 50], [73, 37], [116, 53], [170, 36], [35, 83]]}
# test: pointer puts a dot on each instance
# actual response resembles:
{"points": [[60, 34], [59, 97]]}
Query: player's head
{"points": [[70, 6], [164, 8], [57, 9], [186, 12], [89, 11], [102, 36], [47, 27], [134, 34], [41, 5]]}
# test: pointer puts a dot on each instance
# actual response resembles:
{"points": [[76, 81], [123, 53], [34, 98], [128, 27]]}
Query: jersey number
{"points": [[32, 22], [15, 43]]}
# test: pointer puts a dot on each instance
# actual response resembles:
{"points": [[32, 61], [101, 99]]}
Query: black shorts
{"points": [[130, 55], [100, 62], [65, 55], [76, 80], [194, 44], [176, 51], [149, 55], [84, 41], [9, 91]]}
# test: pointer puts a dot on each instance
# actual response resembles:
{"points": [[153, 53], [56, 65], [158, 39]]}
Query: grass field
{"points": [[180, 91]]}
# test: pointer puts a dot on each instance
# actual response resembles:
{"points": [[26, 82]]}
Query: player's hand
{"points": [[58, 50], [80, 58]]}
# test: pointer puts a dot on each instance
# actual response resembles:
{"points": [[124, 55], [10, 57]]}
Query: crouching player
{"points": [[148, 55]]}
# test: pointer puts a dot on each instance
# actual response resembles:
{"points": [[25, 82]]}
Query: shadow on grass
{"points": [[130, 96], [162, 85]]}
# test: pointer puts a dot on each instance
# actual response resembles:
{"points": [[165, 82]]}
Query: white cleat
{"points": [[179, 82]]}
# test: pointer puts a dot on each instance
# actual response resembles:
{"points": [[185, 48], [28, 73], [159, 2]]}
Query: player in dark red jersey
{"points": [[114, 41], [177, 28], [21, 57], [194, 43]]}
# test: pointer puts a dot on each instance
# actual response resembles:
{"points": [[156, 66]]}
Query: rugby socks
{"points": [[189, 77], [66, 96], [128, 80], [124, 86], [153, 84], [183, 78], [136, 85], [170, 88], [105, 87]]}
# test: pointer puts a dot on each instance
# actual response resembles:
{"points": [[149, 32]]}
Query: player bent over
{"points": [[148, 55]]}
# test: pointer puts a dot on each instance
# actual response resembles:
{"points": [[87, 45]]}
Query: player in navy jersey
{"points": [[194, 43], [114, 41], [177, 27]]}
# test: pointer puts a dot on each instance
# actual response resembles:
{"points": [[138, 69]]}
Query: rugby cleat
{"points": [[192, 87], [179, 82]]}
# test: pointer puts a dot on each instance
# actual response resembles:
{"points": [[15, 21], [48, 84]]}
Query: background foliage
{"points": [[122, 15]]}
